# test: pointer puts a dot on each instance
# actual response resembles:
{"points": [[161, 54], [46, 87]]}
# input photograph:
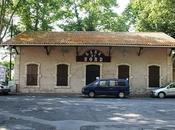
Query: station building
{"points": [[64, 62]]}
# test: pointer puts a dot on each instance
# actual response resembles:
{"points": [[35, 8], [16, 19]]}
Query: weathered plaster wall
{"points": [[120, 55]]}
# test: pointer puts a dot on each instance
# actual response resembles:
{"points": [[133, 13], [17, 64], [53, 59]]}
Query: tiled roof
{"points": [[133, 39]]}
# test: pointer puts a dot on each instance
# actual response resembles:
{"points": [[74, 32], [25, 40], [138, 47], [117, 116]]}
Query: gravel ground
{"points": [[43, 112]]}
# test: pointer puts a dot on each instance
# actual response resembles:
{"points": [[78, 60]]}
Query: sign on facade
{"points": [[93, 56]]}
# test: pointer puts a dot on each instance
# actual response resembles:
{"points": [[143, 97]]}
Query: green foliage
{"points": [[7, 11], [69, 15], [38, 15], [97, 15], [153, 15]]}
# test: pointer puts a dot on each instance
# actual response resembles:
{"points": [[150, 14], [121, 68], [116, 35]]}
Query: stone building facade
{"points": [[64, 62]]}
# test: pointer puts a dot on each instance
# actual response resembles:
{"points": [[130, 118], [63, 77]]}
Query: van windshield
{"points": [[94, 82]]}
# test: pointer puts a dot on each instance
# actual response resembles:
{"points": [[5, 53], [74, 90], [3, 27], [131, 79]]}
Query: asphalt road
{"points": [[80, 113]]}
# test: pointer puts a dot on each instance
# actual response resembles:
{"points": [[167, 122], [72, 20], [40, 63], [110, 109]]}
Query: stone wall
{"points": [[77, 70]]}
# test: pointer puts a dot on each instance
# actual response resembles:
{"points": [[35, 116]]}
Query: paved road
{"points": [[79, 113]]}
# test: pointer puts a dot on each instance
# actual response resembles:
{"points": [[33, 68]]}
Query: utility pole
{"points": [[10, 49]]}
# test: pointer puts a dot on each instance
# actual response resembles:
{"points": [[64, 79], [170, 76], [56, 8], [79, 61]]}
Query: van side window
{"points": [[112, 83], [103, 84]]}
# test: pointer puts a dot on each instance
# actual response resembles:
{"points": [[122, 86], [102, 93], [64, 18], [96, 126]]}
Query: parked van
{"points": [[114, 87]]}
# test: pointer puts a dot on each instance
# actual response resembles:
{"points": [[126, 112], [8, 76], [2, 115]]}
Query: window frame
{"points": [[38, 74], [85, 65], [130, 71], [68, 77], [160, 75]]}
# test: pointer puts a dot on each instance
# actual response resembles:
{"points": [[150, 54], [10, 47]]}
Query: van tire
{"points": [[121, 94], [161, 95], [91, 94]]}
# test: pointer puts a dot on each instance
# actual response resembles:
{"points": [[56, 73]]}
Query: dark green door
{"points": [[123, 72], [92, 71]]}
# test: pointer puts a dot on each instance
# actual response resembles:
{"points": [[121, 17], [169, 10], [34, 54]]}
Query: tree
{"points": [[152, 15], [86, 15], [38, 15], [7, 10], [69, 15]]}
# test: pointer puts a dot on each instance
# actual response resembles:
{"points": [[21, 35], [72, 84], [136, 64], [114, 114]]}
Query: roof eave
{"points": [[86, 44]]}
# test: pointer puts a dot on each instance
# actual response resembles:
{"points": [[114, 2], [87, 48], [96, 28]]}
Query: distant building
{"points": [[63, 62]]}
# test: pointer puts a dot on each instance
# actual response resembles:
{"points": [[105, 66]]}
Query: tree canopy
{"points": [[86, 15], [152, 15], [70, 15], [97, 15], [38, 15]]}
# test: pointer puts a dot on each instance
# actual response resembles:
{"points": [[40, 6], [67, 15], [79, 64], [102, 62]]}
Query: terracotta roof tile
{"points": [[137, 39]]}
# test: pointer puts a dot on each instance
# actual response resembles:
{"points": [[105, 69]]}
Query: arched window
{"points": [[32, 74], [62, 75], [154, 76]]}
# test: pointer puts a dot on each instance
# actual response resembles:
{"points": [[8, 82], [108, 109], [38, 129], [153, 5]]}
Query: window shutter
{"points": [[154, 76], [62, 75], [32, 74]]}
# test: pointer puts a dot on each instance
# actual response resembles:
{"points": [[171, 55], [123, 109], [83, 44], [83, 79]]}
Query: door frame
{"points": [[92, 64], [160, 75], [130, 75], [69, 75]]}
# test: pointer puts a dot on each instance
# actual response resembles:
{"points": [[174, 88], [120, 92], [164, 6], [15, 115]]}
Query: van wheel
{"points": [[161, 95], [121, 95], [91, 94]]}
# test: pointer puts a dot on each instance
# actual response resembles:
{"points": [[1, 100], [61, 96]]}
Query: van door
{"points": [[102, 87], [113, 87], [122, 86], [107, 87]]}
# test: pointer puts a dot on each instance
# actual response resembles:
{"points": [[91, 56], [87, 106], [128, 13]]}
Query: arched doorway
{"points": [[123, 72], [92, 71]]}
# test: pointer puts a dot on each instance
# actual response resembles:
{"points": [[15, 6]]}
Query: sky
{"points": [[122, 4]]}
